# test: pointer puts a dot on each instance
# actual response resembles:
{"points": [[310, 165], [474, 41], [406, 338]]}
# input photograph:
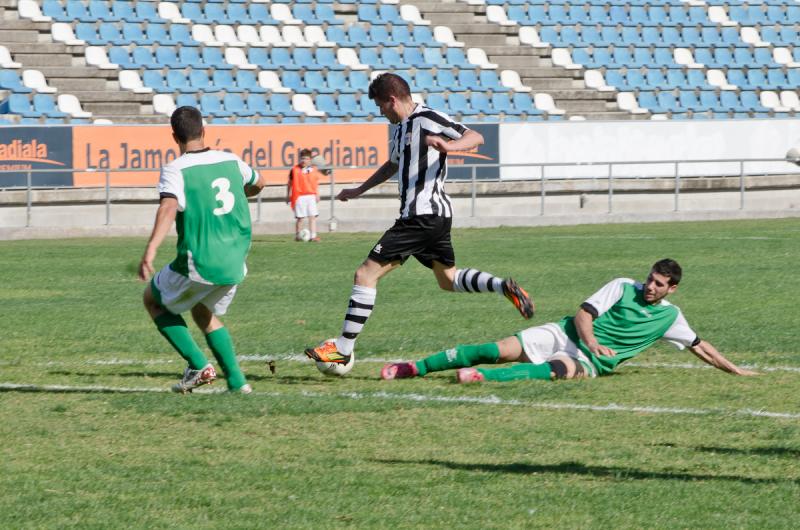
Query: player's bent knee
{"points": [[567, 369]]}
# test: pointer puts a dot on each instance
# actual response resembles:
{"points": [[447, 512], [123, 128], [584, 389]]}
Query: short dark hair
{"points": [[669, 268], [386, 85], [187, 123], [305, 152]]}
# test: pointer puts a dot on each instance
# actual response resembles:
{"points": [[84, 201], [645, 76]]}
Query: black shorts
{"points": [[426, 237]]}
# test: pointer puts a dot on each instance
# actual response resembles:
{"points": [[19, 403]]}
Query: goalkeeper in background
{"points": [[613, 325]]}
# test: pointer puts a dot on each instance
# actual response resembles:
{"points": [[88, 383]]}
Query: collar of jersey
{"points": [[203, 150]]}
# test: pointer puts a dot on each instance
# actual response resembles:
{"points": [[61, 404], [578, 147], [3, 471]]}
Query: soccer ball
{"points": [[305, 234], [336, 369]]}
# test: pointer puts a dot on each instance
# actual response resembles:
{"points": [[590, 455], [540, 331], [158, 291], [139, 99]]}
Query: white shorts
{"points": [[306, 206], [541, 344], [179, 294]]}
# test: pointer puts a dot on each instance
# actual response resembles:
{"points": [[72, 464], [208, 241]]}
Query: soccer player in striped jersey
{"points": [[421, 140], [613, 325], [204, 192]]}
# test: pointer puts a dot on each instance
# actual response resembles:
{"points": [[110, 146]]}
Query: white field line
{"points": [[423, 398], [375, 360]]}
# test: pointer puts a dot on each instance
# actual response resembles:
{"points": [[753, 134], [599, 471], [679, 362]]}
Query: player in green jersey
{"points": [[204, 192], [613, 325]]}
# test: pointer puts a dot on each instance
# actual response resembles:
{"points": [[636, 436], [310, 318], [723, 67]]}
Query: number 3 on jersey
{"points": [[224, 196]]}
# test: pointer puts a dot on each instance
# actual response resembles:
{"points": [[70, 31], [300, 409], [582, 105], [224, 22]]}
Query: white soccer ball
{"points": [[305, 234], [336, 369]]}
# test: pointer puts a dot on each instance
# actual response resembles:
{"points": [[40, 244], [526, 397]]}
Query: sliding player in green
{"points": [[204, 192], [613, 325]]}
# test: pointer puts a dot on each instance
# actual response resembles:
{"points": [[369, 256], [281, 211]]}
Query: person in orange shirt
{"points": [[302, 193]]}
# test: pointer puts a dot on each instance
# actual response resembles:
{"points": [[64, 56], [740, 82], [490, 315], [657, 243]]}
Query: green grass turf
{"points": [[682, 450]]}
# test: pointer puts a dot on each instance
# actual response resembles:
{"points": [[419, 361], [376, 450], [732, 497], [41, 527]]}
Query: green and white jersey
{"points": [[213, 221], [627, 324]]}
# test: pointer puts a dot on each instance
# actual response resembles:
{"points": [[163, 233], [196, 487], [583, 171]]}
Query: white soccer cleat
{"points": [[195, 378], [244, 389]]}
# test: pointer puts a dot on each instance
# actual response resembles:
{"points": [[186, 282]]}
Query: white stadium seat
{"points": [[315, 36], [478, 57], [164, 104], [6, 61], [35, 79], [627, 101], [411, 14], [237, 57], [171, 12], [510, 79], [249, 36], [497, 15], [30, 9], [96, 56], [717, 78], [203, 33], [62, 32], [303, 103], [545, 103], [270, 80], [445, 35], [561, 57], [130, 80], [594, 79], [528, 35], [70, 104]]}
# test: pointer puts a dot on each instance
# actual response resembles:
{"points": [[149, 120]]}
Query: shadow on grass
{"points": [[760, 451], [577, 468]]}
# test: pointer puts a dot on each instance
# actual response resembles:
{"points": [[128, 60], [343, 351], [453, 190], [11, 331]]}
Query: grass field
{"points": [[91, 438]]}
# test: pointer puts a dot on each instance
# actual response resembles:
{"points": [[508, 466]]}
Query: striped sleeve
{"points": [[440, 123], [249, 175]]}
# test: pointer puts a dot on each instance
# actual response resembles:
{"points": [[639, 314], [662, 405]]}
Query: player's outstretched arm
{"points": [[709, 354], [383, 174], [469, 140], [165, 216]]}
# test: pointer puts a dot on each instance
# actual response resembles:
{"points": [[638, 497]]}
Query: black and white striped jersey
{"points": [[422, 170]]}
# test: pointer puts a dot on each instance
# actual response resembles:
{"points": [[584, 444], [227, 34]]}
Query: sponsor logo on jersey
{"points": [[377, 248], [451, 354]]}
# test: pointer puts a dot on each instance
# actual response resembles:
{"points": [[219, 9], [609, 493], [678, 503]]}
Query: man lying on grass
{"points": [[613, 325]]}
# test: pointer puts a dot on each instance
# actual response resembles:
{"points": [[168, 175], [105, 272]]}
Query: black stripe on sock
{"points": [[355, 318], [475, 284], [349, 335], [359, 305]]}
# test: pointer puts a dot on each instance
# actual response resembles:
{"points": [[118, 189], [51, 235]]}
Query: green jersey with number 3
{"points": [[213, 220]]}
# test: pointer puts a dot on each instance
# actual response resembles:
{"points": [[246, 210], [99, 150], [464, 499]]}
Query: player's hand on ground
{"points": [[603, 351], [347, 193], [438, 143], [743, 371]]}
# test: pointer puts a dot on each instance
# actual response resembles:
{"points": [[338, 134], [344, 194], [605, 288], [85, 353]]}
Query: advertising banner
{"points": [[35, 148], [144, 149], [488, 153]]}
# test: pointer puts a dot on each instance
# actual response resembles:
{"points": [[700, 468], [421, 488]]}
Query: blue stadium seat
{"points": [[358, 35], [155, 80], [501, 102], [186, 100], [247, 80], [258, 103], [261, 13], [369, 106], [480, 102], [180, 33], [281, 104], [235, 103], [358, 80], [456, 58], [10, 80], [159, 33], [292, 80], [213, 57], [211, 105], [54, 9], [305, 57], [99, 10], [326, 58], [46, 104], [124, 10], [119, 55], [166, 56], [425, 81], [142, 57], [327, 104], [19, 104], [179, 82], [76, 10], [200, 80]]}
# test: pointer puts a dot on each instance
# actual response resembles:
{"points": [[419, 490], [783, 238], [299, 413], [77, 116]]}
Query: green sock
{"points": [[221, 346], [174, 329], [517, 372], [459, 357]]}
